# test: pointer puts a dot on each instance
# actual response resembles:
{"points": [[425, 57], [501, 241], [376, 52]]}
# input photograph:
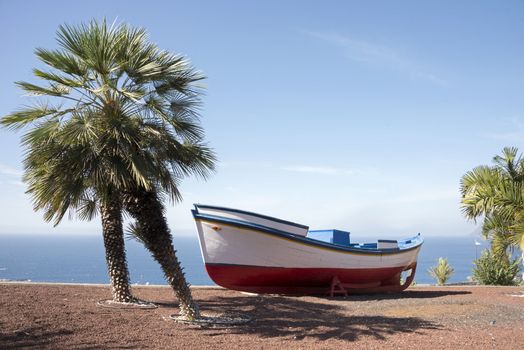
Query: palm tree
{"points": [[126, 123], [496, 193], [442, 271], [152, 230], [72, 165], [151, 227]]}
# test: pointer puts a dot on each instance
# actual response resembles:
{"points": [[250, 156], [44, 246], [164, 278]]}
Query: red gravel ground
{"points": [[50, 316]]}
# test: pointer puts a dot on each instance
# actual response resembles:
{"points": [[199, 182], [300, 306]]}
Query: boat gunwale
{"points": [[239, 211], [416, 240]]}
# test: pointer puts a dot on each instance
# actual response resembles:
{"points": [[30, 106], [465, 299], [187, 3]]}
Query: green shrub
{"points": [[442, 272], [492, 270]]}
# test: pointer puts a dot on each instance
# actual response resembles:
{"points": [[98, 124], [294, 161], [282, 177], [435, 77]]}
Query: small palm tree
{"points": [[123, 132], [497, 193], [442, 272]]}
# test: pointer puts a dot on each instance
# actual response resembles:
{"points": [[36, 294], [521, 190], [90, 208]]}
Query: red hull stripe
{"points": [[280, 280]]}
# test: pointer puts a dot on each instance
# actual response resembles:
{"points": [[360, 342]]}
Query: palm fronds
{"points": [[113, 112], [442, 271], [496, 193]]}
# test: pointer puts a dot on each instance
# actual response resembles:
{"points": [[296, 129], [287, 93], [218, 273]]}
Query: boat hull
{"points": [[304, 281], [249, 257]]}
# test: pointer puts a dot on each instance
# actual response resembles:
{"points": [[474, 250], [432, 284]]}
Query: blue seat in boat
{"points": [[330, 236]]}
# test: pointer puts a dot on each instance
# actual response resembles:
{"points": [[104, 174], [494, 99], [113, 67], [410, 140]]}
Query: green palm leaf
{"points": [[128, 117], [496, 193]]}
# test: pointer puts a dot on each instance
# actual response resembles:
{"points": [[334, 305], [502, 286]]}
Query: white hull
{"points": [[224, 244]]}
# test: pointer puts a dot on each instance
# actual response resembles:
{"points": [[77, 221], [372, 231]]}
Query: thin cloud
{"points": [[420, 196], [9, 171], [515, 133], [300, 168], [505, 136], [376, 54], [249, 164], [322, 170]]}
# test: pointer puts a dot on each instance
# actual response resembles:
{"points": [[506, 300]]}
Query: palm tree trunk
{"points": [[500, 245], [111, 213], [147, 210], [522, 260]]}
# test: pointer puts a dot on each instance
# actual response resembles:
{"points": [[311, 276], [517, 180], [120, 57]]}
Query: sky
{"points": [[361, 116]]}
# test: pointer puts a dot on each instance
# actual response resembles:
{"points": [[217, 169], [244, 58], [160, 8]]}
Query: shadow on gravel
{"points": [[407, 294], [41, 337], [275, 316], [30, 338]]}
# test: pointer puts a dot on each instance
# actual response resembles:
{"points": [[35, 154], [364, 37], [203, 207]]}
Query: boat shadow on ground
{"points": [[294, 318]]}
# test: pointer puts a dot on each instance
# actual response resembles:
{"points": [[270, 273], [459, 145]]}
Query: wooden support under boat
{"points": [[337, 288], [391, 286]]}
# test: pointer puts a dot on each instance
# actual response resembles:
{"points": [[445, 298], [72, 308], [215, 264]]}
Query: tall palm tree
{"points": [[126, 124], [75, 164], [497, 193], [151, 228]]}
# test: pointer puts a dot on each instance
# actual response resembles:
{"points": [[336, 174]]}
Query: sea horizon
{"points": [[80, 259]]}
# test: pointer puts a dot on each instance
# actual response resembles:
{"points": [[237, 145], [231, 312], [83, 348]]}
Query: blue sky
{"points": [[355, 115]]}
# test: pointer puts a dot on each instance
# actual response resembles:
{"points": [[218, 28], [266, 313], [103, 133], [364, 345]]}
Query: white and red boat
{"points": [[256, 253]]}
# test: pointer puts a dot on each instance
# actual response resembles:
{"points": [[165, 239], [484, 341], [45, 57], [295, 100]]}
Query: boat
{"points": [[256, 253]]}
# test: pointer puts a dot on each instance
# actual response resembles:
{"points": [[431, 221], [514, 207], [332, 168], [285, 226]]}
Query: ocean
{"points": [[80, 259]]}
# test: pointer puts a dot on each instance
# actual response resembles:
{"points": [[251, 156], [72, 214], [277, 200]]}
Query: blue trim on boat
{"points": [[403, 245], [238, 211]]}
